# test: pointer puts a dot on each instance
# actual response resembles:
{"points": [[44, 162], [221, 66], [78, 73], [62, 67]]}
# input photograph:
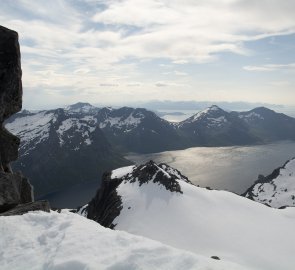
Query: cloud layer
{"points": [[93, 49]]}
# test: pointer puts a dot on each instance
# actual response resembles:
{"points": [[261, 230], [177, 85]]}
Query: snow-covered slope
{"points": [[52, 241], [277, 189], [157, 202], [63, 147], [35, 128]]}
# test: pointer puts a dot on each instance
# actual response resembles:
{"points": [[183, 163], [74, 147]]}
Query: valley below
{"points": [[232, 168]]}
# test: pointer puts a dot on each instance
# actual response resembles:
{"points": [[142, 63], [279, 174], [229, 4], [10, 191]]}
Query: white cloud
{"points": [[271, 67], [79, 46]]}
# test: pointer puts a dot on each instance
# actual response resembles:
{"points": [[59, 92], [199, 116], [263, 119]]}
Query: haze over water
{"points": [[229, 168]]}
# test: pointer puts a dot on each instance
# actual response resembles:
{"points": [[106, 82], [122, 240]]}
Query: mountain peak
{"points": [[81, 107], [214, 108], [149, 176], [210, 113], [151, 172]]}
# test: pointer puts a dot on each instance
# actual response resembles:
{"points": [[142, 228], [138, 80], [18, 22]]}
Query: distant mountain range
{"points": [[76, 144]]}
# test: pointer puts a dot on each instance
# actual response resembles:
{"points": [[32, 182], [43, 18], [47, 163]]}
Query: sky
{"points": [[122, 51]]}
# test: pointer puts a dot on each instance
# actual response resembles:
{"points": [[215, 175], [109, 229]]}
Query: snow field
{"points": [[53, 241]]}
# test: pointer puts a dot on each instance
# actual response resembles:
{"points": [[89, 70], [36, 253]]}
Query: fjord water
{"points": [[228, 168]]}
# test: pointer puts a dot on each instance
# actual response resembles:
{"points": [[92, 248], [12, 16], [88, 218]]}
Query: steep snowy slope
{"points": [[277, 189], [157, 202], [60, 148], [214, 126], [52, 241]]}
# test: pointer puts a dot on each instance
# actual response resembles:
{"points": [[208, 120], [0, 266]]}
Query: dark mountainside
{"points": [[268, 125], [138, 130], [65, 151], [216, 127], [16, 193]]}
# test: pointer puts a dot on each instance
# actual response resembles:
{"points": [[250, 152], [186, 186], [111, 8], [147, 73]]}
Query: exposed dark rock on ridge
{"points": [[277, 189], [14, 188], [157, 174], [24, 208], [107, 204]]}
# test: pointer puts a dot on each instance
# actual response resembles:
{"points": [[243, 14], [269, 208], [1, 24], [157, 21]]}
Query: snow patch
{"points": [[32, 128], [118, 173]]}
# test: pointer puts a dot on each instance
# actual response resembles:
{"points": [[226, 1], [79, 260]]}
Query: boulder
{"points": [[25, 208], [14, 189]]}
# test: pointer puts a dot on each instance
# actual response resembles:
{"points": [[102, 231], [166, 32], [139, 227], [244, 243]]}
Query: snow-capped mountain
{"points": [[268, 125], [138, 130], [214, 126], [60, 148], [157, 202], [277, 189], [82, 107]]}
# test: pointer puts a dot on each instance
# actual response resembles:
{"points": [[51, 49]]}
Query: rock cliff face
{"points": [[10, 93], [14, 188]]}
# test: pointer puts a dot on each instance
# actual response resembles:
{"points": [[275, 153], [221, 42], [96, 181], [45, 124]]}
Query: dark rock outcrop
{"points": [[24, 208], [107, 204], [15, 189], [10, 93]]}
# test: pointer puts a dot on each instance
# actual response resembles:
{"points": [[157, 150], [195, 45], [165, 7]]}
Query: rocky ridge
{"points": [[15, 189], [276, 189], [106, 205]]}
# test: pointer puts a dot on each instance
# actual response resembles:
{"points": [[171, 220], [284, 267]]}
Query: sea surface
{"points": [[227, 168]]}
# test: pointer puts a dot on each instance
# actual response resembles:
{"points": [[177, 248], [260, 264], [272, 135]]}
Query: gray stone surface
{"points": [[14, 189], [25, 208], [10, 74], [16, 193], [10, 93]]}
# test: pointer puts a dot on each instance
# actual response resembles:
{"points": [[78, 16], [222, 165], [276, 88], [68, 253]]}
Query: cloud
{"points": [[161, 84], [80, 46], [280, 83], [195, 31], [109, 85], [271, 67]]}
